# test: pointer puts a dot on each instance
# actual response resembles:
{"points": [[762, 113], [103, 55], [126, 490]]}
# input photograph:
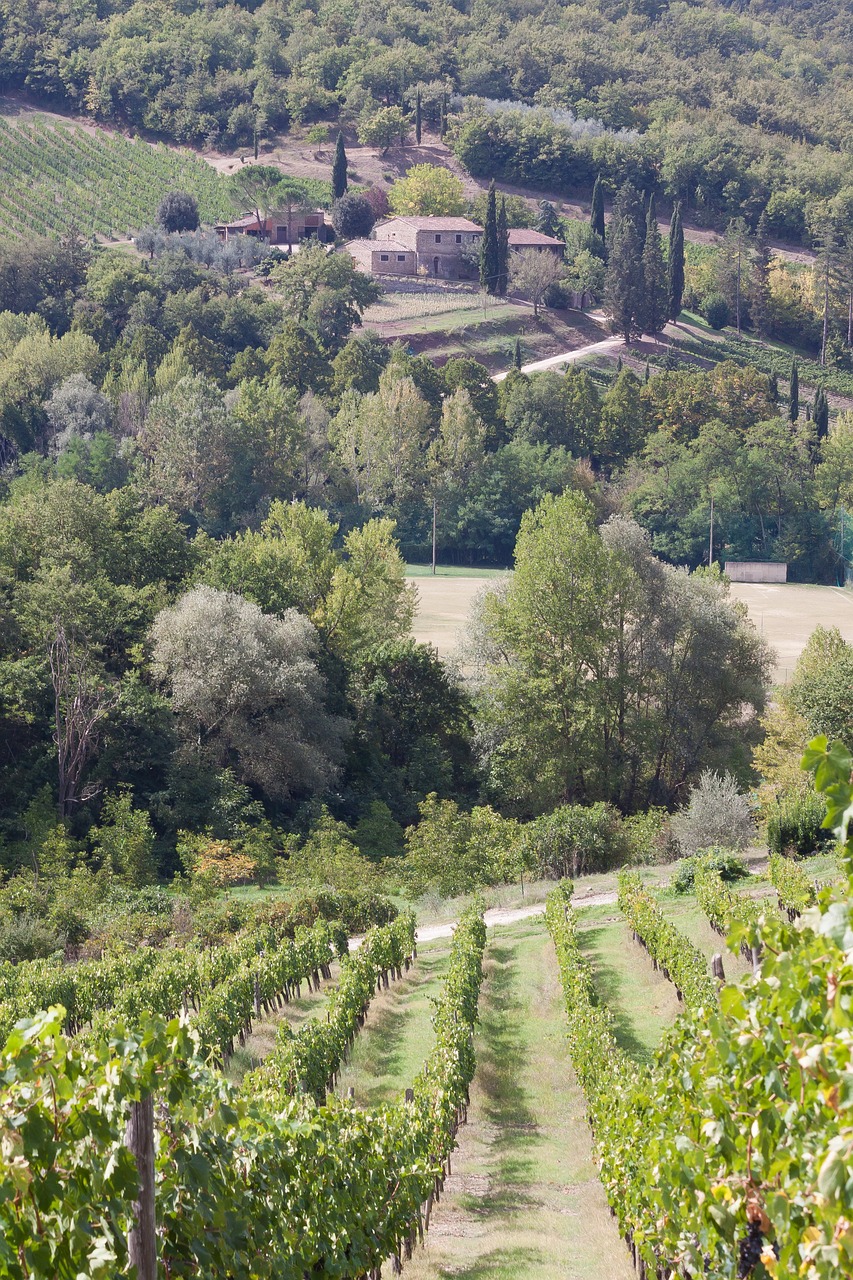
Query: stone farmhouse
{"points": [[280, 228], [435, 248]]}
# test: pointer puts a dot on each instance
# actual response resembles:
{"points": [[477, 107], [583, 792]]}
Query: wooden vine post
{"points": [[142, 1240]]}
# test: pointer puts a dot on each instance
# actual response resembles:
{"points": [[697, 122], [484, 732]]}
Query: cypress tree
{"points": [[619, 365], [759, 285], [596, 217], [675, 264], [653, 311], [821, 414], [339, 169], [418, 118], [647, 374], [490, 266], [503, 249], [794, 393], [623, 284], [516, 354]]}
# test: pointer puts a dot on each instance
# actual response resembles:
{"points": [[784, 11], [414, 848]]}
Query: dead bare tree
{"points": [[82, 700]]}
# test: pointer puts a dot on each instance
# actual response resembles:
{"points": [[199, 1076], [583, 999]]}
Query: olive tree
{"points": [[247, 691]]}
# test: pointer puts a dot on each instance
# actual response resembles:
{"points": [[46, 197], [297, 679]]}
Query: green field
{"points": [[57, 176]]}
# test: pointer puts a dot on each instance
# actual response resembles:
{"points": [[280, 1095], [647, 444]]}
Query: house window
{"points": [[458, 239], [401, 257], [383, 257], [438, 239]]}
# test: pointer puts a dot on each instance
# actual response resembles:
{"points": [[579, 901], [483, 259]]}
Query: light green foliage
{"points": [[58, 177], [280, 1147], [124, 840], [650, 837], [328, 857], [562, 665], [794, 890], [741, 1140], [576, 840], [686, 967], [383, 128], [427, 190], [451, 852], [727, 864]]}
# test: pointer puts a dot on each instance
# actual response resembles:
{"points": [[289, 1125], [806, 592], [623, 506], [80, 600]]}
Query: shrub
{"points": [[716, 311], [26, 937], [578, 839], [329, 857], [717, 814], [794, 826], [724, 861], [178, 211], [353, 216], [651, 838]]}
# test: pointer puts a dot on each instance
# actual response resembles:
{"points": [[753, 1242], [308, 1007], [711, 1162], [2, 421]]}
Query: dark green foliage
{"points": [[596, 217], [490, 249], [547, 221], [759, 284], [178, 211], [653, 311], [675, 264], [795, 825], [339, 169], [516, 354], [624, 284], [353, 216], [503, 249], [820, 414], [716, 311], [418, 118], [728, 865], [794, 392]]}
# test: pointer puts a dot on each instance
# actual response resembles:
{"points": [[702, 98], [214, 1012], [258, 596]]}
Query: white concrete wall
{"points": [[756, 571]]}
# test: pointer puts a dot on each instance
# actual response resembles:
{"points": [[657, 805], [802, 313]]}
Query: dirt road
{"points": [[568, 357], [509, 915]]}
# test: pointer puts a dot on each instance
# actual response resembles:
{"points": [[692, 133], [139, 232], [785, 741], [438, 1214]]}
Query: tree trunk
{"points": [[142, 1240], [434, 521]]}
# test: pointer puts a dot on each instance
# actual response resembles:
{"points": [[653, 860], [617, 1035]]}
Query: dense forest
{"points": [[731, 109]]}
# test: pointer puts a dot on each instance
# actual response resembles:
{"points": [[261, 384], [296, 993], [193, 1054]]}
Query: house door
{"points": [[435, 266]]}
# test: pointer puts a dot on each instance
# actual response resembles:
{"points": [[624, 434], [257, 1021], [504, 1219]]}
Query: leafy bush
{"points": [[353, 216], [716, 311], [26, 937], [578, 839], [725, 862], [651, 838], [795, 825], [717, 814], [178, 211]]}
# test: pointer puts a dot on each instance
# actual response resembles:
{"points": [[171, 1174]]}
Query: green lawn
{"points": [[523, 1201], [641, 999], [397, 1034], [451, 571]]}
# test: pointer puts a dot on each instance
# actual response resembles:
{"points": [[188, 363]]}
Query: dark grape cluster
{"points": [[749, 1250]]}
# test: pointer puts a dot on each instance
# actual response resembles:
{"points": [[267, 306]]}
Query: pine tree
{"points": [[675, 264], [820, 414], [623, 284], [516, 354], [759, 284], [490, 265], [596, 217], [418, 118], [339, 169], [794, 393], [503, 249], [653, 311]]}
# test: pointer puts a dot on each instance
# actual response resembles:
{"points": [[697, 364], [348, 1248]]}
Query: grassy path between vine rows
{"points": [[311, 1004], [397, 1034], [523, 1201], [642, 1000]]}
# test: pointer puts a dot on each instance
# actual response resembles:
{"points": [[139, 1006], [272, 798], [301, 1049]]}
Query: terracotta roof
{"points": [[524, 236], [436, 224], [251, 219]]}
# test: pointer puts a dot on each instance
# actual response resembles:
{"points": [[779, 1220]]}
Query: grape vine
{"points": [[680, 961], [794, 890]]}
